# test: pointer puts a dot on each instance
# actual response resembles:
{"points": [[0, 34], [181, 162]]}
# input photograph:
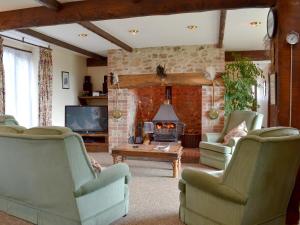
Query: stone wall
{"points": [[182, 59]]}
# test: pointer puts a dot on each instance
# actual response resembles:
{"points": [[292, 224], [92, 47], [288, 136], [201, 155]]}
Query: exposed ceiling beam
{"points": [[102, 33], [92, 10], [62, 44], [91, 62], [51, 4], [222, 27], [257, 55]]}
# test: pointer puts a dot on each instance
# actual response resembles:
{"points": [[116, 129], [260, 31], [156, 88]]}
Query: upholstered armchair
{"points": [[8, 120], [46, 178], [255, 188], [215, 154]]}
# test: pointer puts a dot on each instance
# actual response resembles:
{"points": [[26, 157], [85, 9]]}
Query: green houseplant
{"points": [[239, 79]]}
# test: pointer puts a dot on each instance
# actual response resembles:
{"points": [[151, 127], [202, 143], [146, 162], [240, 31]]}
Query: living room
{"points": [[167, 112]]}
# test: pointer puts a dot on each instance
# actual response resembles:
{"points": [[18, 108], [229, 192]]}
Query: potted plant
{"points": [[240, 78]]}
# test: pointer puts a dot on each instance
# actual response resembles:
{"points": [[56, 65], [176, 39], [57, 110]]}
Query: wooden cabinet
{"points": [[93, 100], [96, 142]]}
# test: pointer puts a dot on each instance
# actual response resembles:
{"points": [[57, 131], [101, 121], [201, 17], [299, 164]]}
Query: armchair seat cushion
{"points": [[217, 147]]}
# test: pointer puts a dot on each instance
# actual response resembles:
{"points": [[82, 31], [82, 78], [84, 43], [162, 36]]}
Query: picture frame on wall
{"points": [[65, 80]]}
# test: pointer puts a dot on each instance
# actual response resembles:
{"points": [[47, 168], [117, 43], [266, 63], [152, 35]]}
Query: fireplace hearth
{"points": [[167, 126]]}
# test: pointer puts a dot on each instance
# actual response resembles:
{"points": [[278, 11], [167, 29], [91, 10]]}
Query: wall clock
{"points": [[271, 23], [292, 38]]}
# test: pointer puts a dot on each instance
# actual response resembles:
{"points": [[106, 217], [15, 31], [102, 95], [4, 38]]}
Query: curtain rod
{"points": [[25, 42], [19, 49]]}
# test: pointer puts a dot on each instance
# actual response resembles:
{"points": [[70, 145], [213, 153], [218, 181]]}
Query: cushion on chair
{"points": [[11, 129], [239, 131], [217, 147], [47, 131], [236, 117], [275, 132]]}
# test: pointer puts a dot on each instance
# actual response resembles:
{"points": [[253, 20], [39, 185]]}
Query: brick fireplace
{"points": [[191, 103]]}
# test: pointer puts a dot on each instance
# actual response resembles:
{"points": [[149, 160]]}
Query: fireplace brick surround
{"points": [[182, 59]]}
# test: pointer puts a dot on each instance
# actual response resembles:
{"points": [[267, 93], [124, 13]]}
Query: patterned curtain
{"points": [[2, 80], [45, 87]]}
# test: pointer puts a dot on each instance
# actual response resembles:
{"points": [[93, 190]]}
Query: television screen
{"points": [[86, 118]]}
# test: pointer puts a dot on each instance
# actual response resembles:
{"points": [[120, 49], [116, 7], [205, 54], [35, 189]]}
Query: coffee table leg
{"points": [[175, 168], [179, 165]]}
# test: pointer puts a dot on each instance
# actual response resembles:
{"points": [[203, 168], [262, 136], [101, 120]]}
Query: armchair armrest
{"points": [[213, 185], [233, 141], [106, 177], [211, 137]]}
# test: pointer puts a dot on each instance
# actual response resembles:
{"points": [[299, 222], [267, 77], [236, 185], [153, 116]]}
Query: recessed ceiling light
{"points": [[134, 31], [255, 23], [192, 27], [83, 35]]}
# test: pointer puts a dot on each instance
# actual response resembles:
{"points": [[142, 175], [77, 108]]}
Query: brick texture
{"points": [[190, 103]]}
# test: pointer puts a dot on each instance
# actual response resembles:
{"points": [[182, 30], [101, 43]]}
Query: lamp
{"points": [[148, 129]]}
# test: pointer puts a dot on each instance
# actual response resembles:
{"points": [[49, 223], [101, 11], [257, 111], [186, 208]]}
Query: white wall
{"points": [[263, 90], [97, 73], [63, 60]]}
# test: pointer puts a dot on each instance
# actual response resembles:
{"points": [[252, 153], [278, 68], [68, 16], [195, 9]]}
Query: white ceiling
{"points": [[166, 30], [239, 35], [169, 30]]}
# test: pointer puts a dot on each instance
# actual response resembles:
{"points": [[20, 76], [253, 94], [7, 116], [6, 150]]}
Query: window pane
{"points": [[20, 87]]}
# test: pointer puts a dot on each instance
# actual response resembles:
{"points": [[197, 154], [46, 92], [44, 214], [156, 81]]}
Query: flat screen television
{"points": [[86, 119]]}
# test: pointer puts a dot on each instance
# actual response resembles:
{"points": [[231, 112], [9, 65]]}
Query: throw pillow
{"points": [[96, 165], [239, 131]]}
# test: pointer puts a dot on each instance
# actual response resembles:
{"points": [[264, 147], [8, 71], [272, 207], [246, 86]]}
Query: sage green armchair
{"points": [[8, 120], [215, 154], [46, 178], [255, 188]]}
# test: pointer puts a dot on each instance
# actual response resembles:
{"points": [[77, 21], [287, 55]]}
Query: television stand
{"points": [[95, 142]]}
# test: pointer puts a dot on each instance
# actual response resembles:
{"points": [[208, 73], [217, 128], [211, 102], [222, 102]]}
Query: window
{"points": [[21, 92]]}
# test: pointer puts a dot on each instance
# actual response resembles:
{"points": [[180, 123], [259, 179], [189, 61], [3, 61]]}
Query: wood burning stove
{"points": [[167, 126]]}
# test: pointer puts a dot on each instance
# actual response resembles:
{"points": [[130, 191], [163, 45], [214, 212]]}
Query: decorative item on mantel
{"points": [[161, 72], [213, 113], [116, 113], [88, 86]]}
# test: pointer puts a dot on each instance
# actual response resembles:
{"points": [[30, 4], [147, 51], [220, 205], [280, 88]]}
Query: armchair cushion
{"points": [[212, 184], [212, 137], [217, 147], [11, 129], [275, 132], [106, 177]]}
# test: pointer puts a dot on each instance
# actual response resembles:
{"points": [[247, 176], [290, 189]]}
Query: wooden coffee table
{"points": [[120, 153]]}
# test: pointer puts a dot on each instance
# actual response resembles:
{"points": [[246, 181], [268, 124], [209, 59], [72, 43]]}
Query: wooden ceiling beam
{"points": [[91, 62], [257, 55], [222, 27], [102, 33], [92, 10], [62, 44], [51, 4]]}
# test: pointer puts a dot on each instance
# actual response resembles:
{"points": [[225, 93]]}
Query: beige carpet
{"points": [[154, 196]]}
